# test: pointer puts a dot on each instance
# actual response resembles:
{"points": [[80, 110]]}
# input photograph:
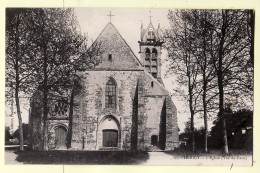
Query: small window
{"points": [[154, 75], [154, 53], [147, 53], [152, 84], [110, 57]]}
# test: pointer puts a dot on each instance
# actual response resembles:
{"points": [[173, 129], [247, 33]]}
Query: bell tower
{"points": [[150, 50]]}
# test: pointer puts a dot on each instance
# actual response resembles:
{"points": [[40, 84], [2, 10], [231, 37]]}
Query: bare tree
{"points": [[179, 43], [198, 19], [18, 74], [229, 52], [215, 46]]}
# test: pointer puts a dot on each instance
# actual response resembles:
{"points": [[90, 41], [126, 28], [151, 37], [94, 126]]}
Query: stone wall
{"points": [[91, 107], [90, 111], [172, 129], [36, 124]]}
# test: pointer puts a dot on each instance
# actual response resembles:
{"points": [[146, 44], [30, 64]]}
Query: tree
{"points": [[58, 46], [198, 134], [228, 50], [7, 134], [217, 45], [25, 132], [179, 43], [61, 52], [198, 19], [236, 121], [18, 74], [44, 49]]}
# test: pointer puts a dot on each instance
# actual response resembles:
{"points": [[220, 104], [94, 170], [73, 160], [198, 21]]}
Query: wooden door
{"points": [[60, 137], [154, 140], [110, 138]]}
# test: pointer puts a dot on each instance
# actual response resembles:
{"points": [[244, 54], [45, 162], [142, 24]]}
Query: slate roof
{"points": [[112, 43]]}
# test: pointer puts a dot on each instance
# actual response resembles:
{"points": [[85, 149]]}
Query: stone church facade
{"points": [[122, 105]]}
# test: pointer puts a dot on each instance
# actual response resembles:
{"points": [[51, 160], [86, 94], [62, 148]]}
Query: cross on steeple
{"points": [[110, 15]]}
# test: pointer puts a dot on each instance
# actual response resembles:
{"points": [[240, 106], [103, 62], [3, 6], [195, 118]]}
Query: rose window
{"points": [[61, 109]]}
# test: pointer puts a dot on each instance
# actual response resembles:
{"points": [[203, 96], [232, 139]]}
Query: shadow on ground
{"points": [[82, 157]]}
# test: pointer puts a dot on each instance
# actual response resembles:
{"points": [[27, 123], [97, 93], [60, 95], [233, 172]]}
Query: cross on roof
{"points": [[110, 15]]}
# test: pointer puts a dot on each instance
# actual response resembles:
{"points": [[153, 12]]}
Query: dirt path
{"points": [[159, 158], [10, 157]]}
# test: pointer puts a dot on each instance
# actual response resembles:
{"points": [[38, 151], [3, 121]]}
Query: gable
{"points": [[115, 52]]}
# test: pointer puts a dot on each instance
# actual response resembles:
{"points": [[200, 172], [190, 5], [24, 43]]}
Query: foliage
{"points": [[44, 50], [7, 134], [82, 157], [25, 132], [236, 121]]}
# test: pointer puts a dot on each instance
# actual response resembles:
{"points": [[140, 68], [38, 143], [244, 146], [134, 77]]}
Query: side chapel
{"points": [[124, 103]]}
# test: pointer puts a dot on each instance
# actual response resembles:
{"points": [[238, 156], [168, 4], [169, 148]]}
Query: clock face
{"points": [[150, 29]]}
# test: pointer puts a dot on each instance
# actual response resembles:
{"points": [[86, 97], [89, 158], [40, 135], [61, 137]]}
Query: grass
{"points": [[81, 157]]}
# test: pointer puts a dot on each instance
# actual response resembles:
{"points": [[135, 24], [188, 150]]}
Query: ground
{"points": [[215, 157]]}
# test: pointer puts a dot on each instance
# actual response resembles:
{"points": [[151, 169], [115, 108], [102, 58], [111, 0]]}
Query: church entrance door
{"points": [[154, 140], [110, 138], [60, 137]]}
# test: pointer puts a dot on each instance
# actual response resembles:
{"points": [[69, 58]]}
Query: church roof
{"points": [[115, 52]]}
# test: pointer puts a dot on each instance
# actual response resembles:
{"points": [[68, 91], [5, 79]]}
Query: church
{"points": [[123, 104]]}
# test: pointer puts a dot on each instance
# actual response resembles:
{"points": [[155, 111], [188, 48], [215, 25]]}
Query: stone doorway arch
{"points": [[109, 132], [60, 136]]}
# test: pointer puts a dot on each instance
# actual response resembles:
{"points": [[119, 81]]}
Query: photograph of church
{"points": [[124, 102], [129, 86]]}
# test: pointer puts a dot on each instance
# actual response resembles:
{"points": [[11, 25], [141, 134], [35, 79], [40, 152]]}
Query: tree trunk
{"points": [[69, 134], [17, 84], [205, 114], [19, 119], [220, 83], [205, 81], [45, 101], [192, 118], [252, 26], [221, 105], [222, 116]]}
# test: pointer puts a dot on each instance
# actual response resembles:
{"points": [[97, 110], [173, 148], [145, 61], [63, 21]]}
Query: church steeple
{"points": [[150, 50]]}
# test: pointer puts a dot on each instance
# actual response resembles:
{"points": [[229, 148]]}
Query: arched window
{"points": [[154, 53], [111, 93], [147, 53]]}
